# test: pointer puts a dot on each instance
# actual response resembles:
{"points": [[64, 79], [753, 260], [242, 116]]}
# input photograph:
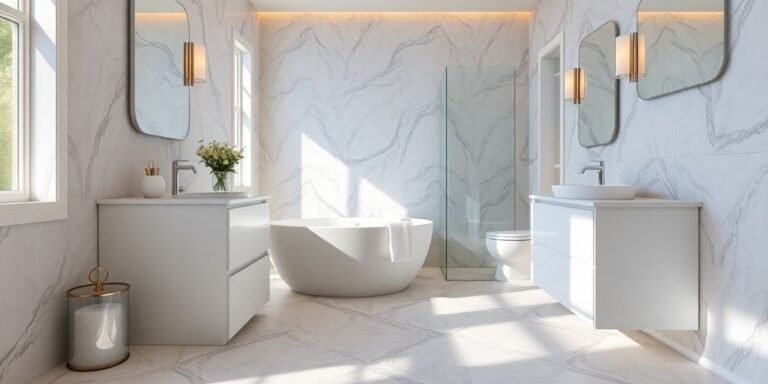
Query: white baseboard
{"points": [[708, 364]]}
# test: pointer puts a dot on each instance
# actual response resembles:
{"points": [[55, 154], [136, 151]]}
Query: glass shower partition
{"points": [[478, 117]]}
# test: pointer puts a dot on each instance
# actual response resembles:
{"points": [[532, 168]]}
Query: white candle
{"points": [[99, 335]]}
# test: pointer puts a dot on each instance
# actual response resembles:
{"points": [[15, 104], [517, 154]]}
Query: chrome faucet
{"points": [[598, 166], [175, 168]]}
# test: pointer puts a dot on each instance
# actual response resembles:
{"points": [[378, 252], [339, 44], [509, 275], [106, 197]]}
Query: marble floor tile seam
{"points": [[573, 354], [235, 346], [558, 369], [183, 367], [358, 359], [455, 329], [585, 327], [178, 363], [603, 376], [508, 315], [426, 332]]}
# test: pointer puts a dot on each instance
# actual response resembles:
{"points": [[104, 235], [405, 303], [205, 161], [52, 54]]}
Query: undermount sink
{"points": [[211, 195], [594, 192]]}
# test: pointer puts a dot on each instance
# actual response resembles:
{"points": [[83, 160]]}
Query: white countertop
{"points": [[229, 202], [638, 202]]}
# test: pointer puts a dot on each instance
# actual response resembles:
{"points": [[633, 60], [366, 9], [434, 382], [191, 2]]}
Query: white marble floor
{"points": [[434, 332]]}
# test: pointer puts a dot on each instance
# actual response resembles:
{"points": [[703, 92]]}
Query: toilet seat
{"points": [[509, 235]]}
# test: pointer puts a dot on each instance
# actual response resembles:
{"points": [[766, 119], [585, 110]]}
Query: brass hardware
{"points": [[634, 69], [99, 283], [578, 78], [574, 85], [103, 294], [189, 64], [98, 286], [194, 65]]}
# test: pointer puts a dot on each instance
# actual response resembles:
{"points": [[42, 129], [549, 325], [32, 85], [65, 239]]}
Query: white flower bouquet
{"points": [[222, 159]]}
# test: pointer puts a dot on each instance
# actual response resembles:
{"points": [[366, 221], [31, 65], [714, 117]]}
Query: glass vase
{"points": [[222, 181]]}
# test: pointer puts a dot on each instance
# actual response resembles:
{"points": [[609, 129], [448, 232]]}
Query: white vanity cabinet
{"points": [[198, 268], [623, 264]]}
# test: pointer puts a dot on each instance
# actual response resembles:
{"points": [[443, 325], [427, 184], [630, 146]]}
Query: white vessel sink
{"points": [[594, 192], [211, 195]]}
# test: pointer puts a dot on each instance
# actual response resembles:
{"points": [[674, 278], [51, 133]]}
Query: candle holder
{"points": [[98, 323]]}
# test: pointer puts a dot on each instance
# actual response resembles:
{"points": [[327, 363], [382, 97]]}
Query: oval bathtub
{"points": [[344, 257]]}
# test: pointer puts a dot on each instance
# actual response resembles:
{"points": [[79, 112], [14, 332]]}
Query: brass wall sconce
{"points": [[194, 64], [630, 57], [575, 85]]}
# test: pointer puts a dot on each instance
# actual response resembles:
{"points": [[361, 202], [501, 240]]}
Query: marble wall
{"points": [[39, 262], [708, 144], [351, 104]]}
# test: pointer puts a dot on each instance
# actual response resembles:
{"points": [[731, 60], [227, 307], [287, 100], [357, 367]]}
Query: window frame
{"points": [[46, 133], [240, 48], [237, 96], [21, 17]]}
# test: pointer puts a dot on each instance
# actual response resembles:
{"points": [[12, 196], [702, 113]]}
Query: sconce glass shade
{"points": [[200, 63], [575, 85], [630, 57], [194, 64]]}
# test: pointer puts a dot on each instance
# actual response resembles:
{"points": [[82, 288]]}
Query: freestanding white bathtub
{"points": [[345, 257]]}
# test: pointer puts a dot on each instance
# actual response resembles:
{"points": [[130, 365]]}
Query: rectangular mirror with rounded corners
{"points": [[598, 111], [685, 44], [159, 101]]}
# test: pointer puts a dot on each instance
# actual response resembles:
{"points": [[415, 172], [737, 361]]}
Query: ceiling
{"points": [[392, 5]]}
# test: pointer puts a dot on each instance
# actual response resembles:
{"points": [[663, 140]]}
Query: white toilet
{"points": [[513, 251]]}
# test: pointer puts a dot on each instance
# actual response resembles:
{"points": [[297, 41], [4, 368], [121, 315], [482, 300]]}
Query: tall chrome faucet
{"points": [[176, 167], [598, 166]]}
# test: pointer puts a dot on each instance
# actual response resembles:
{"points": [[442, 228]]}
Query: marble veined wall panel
{"points": [[350, 108]]}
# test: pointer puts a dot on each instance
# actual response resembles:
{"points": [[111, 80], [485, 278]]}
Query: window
{"points": [[13, 164], [33, 134], [242, 116]]}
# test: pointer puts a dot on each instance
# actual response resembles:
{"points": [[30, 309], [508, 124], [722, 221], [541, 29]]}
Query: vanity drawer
{"points": [[567, 230], [248, 291], [248, 234], [569, 281]]}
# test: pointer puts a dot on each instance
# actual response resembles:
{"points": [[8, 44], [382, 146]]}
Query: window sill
{"points": [[32, 212]]}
